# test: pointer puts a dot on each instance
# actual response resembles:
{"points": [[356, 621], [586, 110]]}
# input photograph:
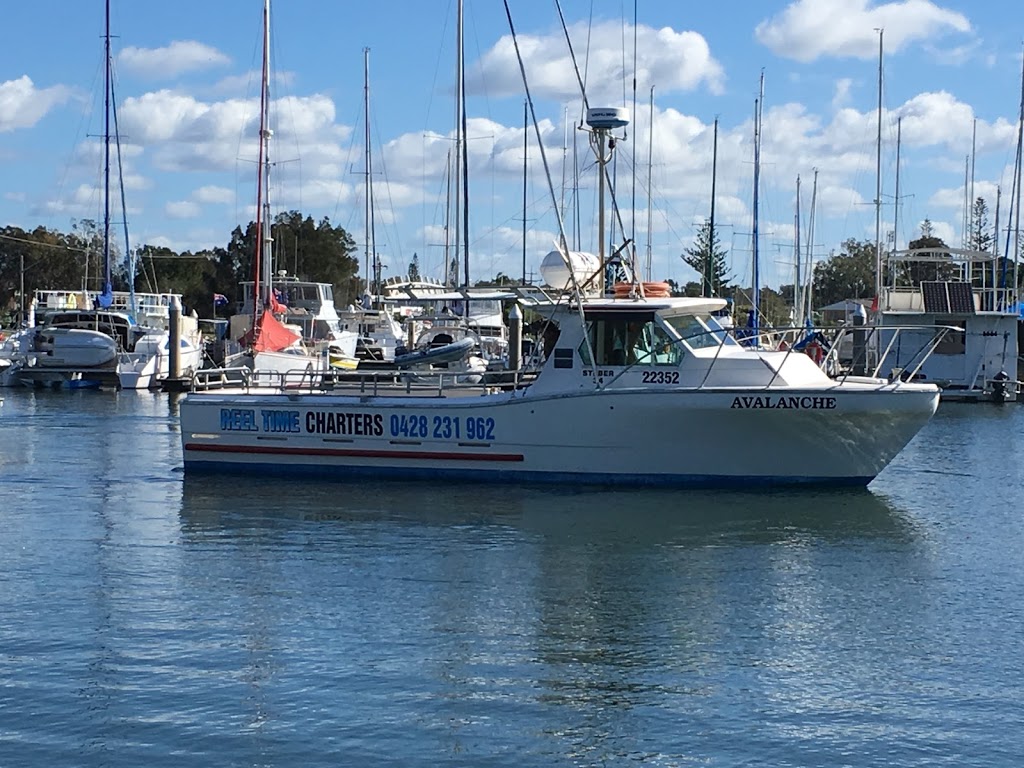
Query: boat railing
{"points": [[853, 350], [365, 383], [844, 352], [220, 378]]}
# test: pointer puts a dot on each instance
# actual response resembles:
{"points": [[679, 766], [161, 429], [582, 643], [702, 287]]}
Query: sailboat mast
{"points": [[973, 237], [456, 177], [878, 181], [756, 322], [370, 245], [565, 156], [260, 296], [808, 301], [896, 193], [465, 152], [650, 188], [1020, 168], [106, 154], [526, 149], [708, 288], [798, 284], [448, 278]]}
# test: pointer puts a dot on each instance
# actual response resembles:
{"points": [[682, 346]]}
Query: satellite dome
{"points": [[558, 274]]}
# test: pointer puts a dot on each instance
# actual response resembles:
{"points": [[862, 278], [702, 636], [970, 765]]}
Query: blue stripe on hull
{"points": [[487, 475]]}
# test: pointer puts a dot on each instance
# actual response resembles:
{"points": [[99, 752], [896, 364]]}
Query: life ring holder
{"points": [[653, 290]]}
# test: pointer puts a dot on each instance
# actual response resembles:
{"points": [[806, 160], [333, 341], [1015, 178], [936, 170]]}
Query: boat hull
{"points": [[722, 438]]}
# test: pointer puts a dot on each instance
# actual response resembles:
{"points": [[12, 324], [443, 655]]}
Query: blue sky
{"points": [[187, 91]]}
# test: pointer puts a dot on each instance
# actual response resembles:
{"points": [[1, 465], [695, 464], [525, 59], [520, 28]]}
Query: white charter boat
{"points": [[634, 390], [664, 411]]}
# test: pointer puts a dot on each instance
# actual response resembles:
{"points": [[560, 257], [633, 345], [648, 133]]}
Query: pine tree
{"points": [[708, 257], [980, 238], [414, 268]]}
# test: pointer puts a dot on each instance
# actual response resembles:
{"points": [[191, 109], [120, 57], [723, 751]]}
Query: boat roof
{"points": [[669, 306], [412, 295], [942, 255]]}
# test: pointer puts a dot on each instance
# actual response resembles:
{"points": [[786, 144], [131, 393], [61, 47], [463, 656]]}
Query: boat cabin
{"points": [[957, 288], [629, 343], [308, 305], [118, 325]]}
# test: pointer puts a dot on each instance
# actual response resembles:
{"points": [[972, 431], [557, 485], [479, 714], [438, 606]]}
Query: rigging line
{"points": [[572, 55], [387, 188], [124, 207], [632, 230], [465, 166], [1014, 208], [57, 246], [106, 157], [547, 176]]}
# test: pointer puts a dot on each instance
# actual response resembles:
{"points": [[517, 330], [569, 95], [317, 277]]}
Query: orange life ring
{"points": [[657, 290]]}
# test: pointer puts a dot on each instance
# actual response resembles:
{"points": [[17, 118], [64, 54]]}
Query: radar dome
{"points": [[558, 274], [607, 117]]}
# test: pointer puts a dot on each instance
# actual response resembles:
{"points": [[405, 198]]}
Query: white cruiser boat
{"points": [[653, 392], [634, 390]]}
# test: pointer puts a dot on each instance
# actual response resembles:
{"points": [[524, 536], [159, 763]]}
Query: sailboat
{"points": [[78, 346], [277, 350]]}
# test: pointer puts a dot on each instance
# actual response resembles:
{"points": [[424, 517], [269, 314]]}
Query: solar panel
{"points": [[948, 297], [936, 299], [961, 298]]}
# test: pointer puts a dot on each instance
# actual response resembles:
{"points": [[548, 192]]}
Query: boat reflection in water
{"points": [[546, 621], [660, 517]]}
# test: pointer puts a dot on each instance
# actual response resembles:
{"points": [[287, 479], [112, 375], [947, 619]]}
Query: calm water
{"points": [[150, 620]]}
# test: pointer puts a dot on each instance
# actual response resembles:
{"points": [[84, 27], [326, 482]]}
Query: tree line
{"points": [[49, 259]]}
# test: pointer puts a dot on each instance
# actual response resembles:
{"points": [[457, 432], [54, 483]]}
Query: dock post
{"points": [[515, 338]]}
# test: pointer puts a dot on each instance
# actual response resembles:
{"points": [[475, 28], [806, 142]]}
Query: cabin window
{"points": [[629, 340], [696, 333], [952, 342]]}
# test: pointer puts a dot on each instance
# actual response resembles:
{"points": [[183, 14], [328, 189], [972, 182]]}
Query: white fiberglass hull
{"points": [[716, 437], [146, 371], [75, 348]]}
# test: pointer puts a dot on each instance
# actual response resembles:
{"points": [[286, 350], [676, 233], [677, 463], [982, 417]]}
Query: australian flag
{"points": [[219, 299]]}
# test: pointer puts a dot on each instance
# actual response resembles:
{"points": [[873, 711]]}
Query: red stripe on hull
{"points": [[352, 452]]}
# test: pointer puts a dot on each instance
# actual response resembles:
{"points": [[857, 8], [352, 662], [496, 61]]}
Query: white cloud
{"points": [[672, 60], [944, 231], [189, 134], [175, 59], [22, 105], [842, 92], [249, 82], [214, 195], [954, 197], [810, 29], [84, 202], [183, 209]]}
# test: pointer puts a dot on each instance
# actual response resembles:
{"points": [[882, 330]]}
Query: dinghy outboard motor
{"points": [[1000, 387]]}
